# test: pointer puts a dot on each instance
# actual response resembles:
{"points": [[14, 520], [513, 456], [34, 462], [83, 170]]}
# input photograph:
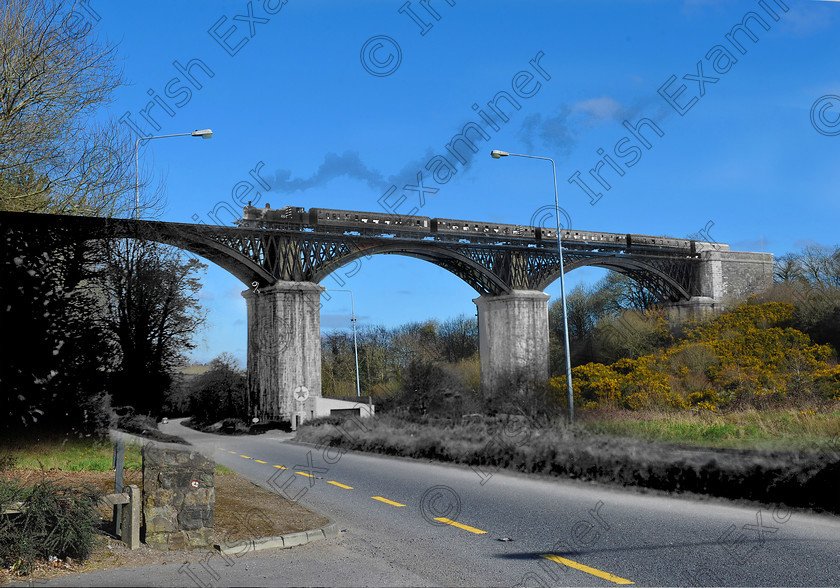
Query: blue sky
{"points": [[289, 87]]}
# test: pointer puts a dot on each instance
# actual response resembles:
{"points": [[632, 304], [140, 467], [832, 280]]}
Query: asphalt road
{"points": [[414, 523], [399, 519]]}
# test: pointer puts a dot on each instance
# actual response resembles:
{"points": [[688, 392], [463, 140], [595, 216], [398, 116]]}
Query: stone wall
{"points": [[179, 496]]}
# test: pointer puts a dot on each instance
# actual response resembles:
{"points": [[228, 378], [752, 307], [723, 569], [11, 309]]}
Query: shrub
{"points": [[234, 425], [219, 393], [748, 357], [631, 334], [828, 382], [521, 395], [55, 520], [593, 383], [430, 388]]}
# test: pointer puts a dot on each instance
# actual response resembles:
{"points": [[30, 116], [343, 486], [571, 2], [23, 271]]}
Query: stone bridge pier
{"points": [[284, 350], [512, 338]]}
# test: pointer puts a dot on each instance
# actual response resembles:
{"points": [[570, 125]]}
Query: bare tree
{"points": [[152, 313], [55, 75], [787, 268], [622, 292], [820, 266]]}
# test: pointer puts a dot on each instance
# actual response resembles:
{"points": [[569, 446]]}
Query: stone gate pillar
{"points": [[512, 337], [284, 348]]}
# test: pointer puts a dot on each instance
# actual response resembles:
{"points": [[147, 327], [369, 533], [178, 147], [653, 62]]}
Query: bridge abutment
{"points": [[730, 275], [512, 338], [724, 278], [284, 349]]}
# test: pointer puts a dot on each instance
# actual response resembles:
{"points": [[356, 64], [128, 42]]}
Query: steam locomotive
{"points": [[377, 223]]}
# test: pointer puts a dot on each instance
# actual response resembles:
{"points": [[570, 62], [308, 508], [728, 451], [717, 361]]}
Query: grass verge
{"points": [[800, 478], [747, 429], [70, 454]]}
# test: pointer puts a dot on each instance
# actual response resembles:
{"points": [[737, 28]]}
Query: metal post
{"points": [[496, 154], [355, 346], [569, 389], [119, 464], [137, 179]]}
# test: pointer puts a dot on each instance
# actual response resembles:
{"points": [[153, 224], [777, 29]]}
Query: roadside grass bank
{"points": [[64, 453], [805, 476], [800, 429]]}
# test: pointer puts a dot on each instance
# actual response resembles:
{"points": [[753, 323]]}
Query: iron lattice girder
{"points": [[490, 268], [269, 255]]}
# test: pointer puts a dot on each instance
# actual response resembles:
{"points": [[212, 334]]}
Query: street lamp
{"points": [[496, 154], [203, 133], [355, 347]]}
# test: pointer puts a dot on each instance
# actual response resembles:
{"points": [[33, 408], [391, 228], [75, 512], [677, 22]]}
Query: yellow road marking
{"points": [[279, 467], [587, 569], [386, 501], [461, 526], [304, 474], [339, 485], [260, 461], [245, 456], [233, 452]]}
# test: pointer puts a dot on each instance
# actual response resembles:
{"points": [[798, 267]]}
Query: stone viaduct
{"points": [[282, 269]]}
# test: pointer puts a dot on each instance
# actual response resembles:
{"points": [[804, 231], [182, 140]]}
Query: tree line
{"points": [[385, 355]]}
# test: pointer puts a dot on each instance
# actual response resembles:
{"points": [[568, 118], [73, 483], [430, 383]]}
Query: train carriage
{"points": [[445, 226], [334, 219], [650, 241], [589, 237]]}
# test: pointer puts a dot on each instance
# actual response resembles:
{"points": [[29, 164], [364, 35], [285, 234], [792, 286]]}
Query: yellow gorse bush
{"points": [[827, 381], [744, 355]]}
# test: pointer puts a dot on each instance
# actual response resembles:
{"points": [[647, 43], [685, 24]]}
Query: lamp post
{"points": [[496, 154], [203, 133], [355, 347]]}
